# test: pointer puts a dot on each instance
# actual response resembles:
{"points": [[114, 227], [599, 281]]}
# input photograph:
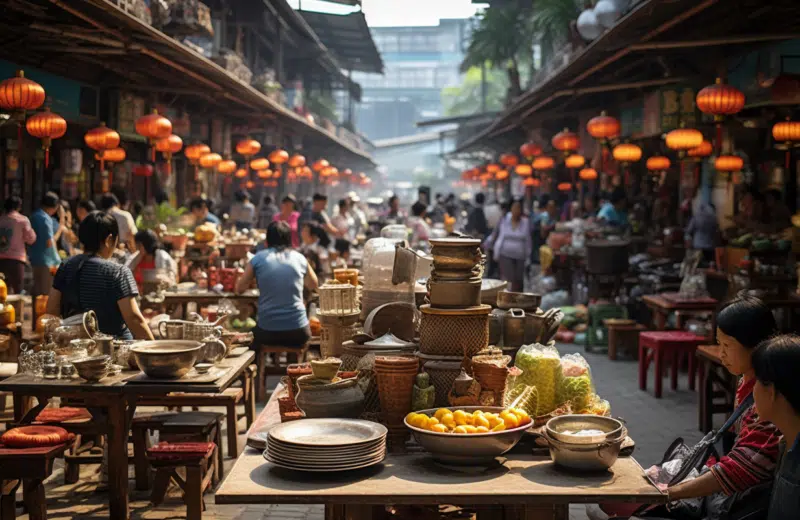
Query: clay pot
{"points": [[320, 400]]}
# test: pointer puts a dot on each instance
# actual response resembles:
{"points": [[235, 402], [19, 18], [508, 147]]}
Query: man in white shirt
{"points": [[127, 227]]}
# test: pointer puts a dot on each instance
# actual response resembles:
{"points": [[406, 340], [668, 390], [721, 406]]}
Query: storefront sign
{"points": [[677, 107]]}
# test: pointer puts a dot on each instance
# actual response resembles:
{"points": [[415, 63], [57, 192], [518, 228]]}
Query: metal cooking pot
{"points": [[514, 328], [496, 319]]}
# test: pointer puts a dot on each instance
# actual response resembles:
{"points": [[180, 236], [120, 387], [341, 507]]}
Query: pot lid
{"points": [[388, 341], [455, 242]]}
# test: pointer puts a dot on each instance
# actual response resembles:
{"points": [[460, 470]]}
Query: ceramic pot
{"points": [[341, 399], [455, 294]]}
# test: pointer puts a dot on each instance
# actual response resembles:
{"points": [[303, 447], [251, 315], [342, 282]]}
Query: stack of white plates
{"points": [[325, 445]]}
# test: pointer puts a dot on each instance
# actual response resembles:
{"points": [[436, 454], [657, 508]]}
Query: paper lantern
{"points": [[347, 172], [19, 94], [226, 167], [658, 163], [307, 173], [509, 159], [193, 152], [248, 147], [543, 163], [241, 173], [278, 156], [113, 155], [523, 169], [566, 141], [575, 161], [564, 186], [786, 132], [493, 168], [603, 127], [210, 160], [588, 174], [729, 163], [627, 153], [531, 182], [169, 145], [684, 139], [320, 165], [297, 160], [501, 175], [46, 126], [720, 100], [154, 126], [264, 174], [101, 138], [259, 163], [704, 150], [530, 150]]}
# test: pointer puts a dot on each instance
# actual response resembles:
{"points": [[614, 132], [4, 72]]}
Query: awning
{"points": [[656, 43], [97, 42], [348, 37]]}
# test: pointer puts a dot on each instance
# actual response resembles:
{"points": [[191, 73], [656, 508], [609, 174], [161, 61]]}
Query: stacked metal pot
{"points": [[518, 321], [454, 324]]}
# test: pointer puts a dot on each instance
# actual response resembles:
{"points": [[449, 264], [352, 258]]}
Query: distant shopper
{"points": [[394, 213], [615, 211], [420, 230], [202, 214], [15, 233], [266, 212], [127, 227], [243, 212], [477, 225], [344, 222], [318, 256], [702, 232], [91, 282], [318, 206], [83, 208], [512, 246], [42, 253], [280, 274], [291, 216], [150, 256]]}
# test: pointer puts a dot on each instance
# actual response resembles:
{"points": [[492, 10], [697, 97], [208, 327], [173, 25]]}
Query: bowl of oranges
{"points": [[469, 434]]}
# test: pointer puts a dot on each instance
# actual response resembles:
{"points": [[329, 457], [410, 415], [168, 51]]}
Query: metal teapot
{"points": [[214, 349]]}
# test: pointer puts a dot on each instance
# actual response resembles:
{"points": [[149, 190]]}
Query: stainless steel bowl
{"points": [[467, 449], [598, 456], [518, 300], [166, 359], [560, 428], [92, 369]]}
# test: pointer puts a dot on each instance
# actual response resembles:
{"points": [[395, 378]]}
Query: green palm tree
{"points": [[551, 22]]}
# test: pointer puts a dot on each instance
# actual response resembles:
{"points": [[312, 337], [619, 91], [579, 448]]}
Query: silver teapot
{"points": [[214, 349]]}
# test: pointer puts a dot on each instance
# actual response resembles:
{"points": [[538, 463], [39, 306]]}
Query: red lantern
{"points": [[226, 167], [603, 127], [501, 175], [154, 127], [566, 141], [704, 150], [575, 161], [260, 163], [278, 156], [296, 161], [493, 168], [565, 186], [264, 174], [530, 150], [248, 147], [684, 139], [46, 126], [241, 173], [19, 94], [210, 160], [786, 133], [588, 174], [729, 163], [658, 163], [543, 163], [101, 138], [524, 169], [169, 146], [320, 165], [114, 155], [531, 182], [627, 153], [509, 159], [720, 100], [193, 152]]}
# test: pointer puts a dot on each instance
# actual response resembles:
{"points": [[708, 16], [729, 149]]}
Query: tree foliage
{"points": [[465, 99]]}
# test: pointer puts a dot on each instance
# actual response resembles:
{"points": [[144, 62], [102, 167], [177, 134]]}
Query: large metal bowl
{"points": [[467, 449], [166, 359], [597, 456], [560, 428], [518, 300]]}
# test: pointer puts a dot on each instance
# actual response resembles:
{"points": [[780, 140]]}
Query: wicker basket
{"points": [[335, 331], [194, 331], [443, 371], [395, 389], [454, 332], [492, 376]]}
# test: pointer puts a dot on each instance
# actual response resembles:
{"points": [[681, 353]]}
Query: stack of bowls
{"points": [[585, 442], [94, 368], [455, 280], [396, 375]]}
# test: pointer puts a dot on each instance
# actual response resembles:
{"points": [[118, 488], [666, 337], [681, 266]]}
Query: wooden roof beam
{"points": [[734, 40]]}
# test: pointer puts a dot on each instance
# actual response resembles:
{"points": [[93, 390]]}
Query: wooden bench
{"points": [[262, 370], [30, 466], [174, 427], [199, 464]]}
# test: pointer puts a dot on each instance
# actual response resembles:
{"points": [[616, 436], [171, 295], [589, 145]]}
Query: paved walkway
{"points": [[653, 424]]}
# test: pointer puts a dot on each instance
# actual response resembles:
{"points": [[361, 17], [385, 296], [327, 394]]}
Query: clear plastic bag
{"points": [[575, 384], [541, 367]]}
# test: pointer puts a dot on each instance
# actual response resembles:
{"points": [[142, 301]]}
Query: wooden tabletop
{"points": [[417, 479], [189, 296], [710, 353], [656, 300], [27, 384]]}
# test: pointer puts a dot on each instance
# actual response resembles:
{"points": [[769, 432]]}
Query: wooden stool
{"points": [[654, 345], [277, 369], [174, 427], [88, 431], [621, 336], [228, 399], [197, 459], [31, 466]]}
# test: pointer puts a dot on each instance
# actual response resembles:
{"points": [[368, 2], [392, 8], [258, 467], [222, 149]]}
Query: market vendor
{"points": [[202, 214], [90, 282], [615, 211], [150, 256], [280, 274]]}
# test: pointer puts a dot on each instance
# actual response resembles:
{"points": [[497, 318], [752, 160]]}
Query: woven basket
{"points": [[492, 378], [395, 389], [443, 371], [454, 332]]}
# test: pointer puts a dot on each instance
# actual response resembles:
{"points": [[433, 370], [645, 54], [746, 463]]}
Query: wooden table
{"points": [[526, 486], [202, 298], [662, 306], [112, 402], [715, 382]]}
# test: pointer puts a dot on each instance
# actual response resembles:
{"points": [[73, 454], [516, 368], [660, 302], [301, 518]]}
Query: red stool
{"points": [[655, 345]]}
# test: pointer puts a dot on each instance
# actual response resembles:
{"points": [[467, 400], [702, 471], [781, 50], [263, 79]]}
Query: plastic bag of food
{"points": [[541, 367], [528, 402], [575, 384]]}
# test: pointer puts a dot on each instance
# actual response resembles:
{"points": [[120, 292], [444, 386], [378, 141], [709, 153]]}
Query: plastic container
{"points": [[377, 267]]}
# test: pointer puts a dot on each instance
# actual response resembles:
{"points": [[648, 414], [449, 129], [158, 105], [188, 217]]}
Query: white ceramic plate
{"points": [[329, 433], [290, 448], [312, 458]]}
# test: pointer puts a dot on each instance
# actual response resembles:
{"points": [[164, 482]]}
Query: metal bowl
{"points": [[92, 369], [467, 449], [166, 359], [597, 456], [518, 300], [559, 428]]}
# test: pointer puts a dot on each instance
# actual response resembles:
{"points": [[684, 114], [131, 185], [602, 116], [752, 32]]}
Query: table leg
{"points": [[612, 343], [659, 369], [334, 512], [22, 403], [34, 498], [193, 492], [703, 395], [660, 319], [118, 457], [643, 366], [8, 506], [692, 369], [677, 357]]}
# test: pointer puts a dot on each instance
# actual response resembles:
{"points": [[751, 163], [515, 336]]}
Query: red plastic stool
{"points": [[655, 345]]}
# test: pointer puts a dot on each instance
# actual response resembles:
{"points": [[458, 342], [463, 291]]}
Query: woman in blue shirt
{"points": [[280, 274], [614, 213]]}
